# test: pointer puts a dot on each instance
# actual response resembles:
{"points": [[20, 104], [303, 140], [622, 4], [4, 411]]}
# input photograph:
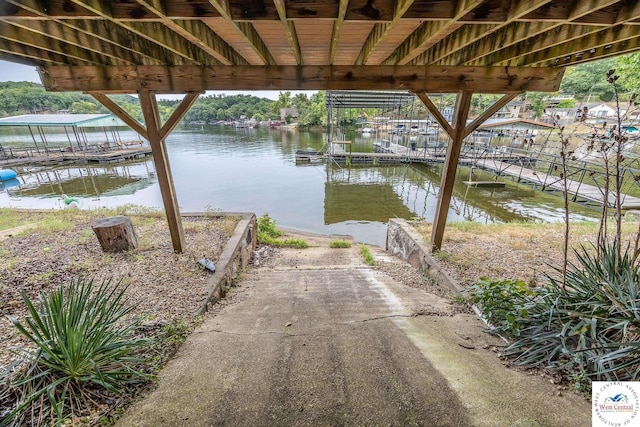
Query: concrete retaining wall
{"points": [[235, 257], [407, 244]]}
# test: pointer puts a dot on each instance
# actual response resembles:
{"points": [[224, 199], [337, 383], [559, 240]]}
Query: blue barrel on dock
{"points": [[9, 183], [7, 174]]}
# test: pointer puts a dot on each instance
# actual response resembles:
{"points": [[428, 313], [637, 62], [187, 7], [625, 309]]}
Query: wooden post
{"points": [[156, 134], [161, 160], [450, 168], [457, 133], [115, 234]]}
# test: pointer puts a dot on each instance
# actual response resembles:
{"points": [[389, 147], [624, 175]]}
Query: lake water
{"points": [[220, 168]]}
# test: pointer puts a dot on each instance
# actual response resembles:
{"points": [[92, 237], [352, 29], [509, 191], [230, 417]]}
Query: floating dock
{"points": [[580, 191]]}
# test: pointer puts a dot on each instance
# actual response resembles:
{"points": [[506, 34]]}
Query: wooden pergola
{"points": [[151, 47]]}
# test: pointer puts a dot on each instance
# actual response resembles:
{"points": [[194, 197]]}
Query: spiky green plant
{"points": [[591, 326], [83, 348]]}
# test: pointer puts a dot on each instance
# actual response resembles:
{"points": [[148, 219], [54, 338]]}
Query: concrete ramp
{"points": [[319, 339]]}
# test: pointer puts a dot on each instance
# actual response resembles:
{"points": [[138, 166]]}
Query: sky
{"points": [[12, 72]]}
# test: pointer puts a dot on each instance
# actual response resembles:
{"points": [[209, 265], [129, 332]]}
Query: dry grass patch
{"points": [[518, 251]]}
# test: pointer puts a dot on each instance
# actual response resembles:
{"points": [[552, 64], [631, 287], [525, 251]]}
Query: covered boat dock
{"points": [[77, 145]]}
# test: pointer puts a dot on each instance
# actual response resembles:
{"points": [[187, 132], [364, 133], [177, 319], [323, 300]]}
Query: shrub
{"points": [[83, 349], [590, 327], [503, 303]]}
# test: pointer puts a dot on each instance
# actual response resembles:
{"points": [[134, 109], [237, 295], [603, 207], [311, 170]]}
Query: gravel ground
{"points": [[62, 247]]}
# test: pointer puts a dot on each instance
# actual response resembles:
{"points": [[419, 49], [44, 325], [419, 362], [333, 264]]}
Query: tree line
{"points": [[584, 82], [18, 98]]}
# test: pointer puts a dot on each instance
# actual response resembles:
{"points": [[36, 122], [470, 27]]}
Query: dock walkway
{"points": [[581, 192], [52, 157]]}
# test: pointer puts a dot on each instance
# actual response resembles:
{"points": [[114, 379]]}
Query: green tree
{"points": [[538, 102], [628, 68], [83, 107], [586, 81]]}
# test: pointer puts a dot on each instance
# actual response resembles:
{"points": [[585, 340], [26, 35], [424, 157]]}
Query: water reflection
{"points": [[255, 170]]}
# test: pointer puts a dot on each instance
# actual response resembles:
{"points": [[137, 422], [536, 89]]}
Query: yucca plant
{"points": [[591, 325], [83, 350]]}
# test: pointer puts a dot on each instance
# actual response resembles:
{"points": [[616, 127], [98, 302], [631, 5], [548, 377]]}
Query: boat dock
{"points": [[521, 165], [580, 191], [392, 153], [52, 157]]}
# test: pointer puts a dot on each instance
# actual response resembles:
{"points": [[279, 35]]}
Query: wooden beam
{"points": [[163, 170], [591, 41], [456, 41], [464, 41], [444, 124], [62, 33], [380, 31], [247, 30], [289, 30], [612, 49], [178, 114], [32, 54], [542, 37], [430, 33], [499, 40], [181, 79], [493, 108], [449, 169], [155, 32], [120, 113], [335, 32], [75, 54], [197, 33]]}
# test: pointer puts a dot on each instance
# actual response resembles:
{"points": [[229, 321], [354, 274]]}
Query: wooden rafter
{"points": [[68, 35], [289, 30], [74, 54], [601, 52], [247, 31], [180, 79], [537, 38], [155, 32], [470, 35], [429, 33], [584, 43], [32, 55], [337, 26], [380, 31], [197, 33], [106, 33]]}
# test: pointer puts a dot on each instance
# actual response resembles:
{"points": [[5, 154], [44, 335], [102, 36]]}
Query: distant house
{"points": [[564, 116], [284, 112], [512, 110], [598, 112]]}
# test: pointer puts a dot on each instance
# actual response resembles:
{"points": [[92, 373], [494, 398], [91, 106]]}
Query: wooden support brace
{"points": [[163, 170], [450, 168]]}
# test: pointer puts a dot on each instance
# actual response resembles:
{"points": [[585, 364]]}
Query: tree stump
{"points": [[115, 234]]}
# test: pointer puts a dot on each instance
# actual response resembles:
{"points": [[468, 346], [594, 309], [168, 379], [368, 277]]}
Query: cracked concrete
{"points": [[312, 345]]}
